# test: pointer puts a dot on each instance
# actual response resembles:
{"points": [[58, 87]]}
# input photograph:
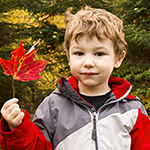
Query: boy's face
{"points": [[91, 62]]}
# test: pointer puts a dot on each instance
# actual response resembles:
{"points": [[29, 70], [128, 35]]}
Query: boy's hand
{"points": [[12, 113]]}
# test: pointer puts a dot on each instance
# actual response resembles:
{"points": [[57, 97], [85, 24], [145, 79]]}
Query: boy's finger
{"points": [[18, 120], [15, 112], [11, 107], [8, 103]]}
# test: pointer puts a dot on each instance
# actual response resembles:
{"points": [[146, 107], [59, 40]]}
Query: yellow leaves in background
{"points": [[59, 21], [55, 69], [17, 16], [47, 82], [20, 16]]}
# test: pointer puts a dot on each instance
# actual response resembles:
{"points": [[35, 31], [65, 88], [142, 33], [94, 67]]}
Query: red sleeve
{"points": [[140, 135], [26, 136]]}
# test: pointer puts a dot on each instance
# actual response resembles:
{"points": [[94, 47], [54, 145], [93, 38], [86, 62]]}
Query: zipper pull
{"points": [[94, 126], [93, 134]]}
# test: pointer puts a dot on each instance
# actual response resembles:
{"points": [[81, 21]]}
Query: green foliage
{"points": [[136, 67]]}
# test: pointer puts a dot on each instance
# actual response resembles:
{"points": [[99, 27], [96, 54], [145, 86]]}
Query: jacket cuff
{"points": [[18, 131]]}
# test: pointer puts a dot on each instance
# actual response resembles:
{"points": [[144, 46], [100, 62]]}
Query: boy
{"points": [[91, 110]]}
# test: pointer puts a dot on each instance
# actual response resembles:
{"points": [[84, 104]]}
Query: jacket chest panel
{"points": [[113, 131]]}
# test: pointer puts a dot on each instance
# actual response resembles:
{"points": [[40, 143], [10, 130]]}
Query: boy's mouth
{"points": [[88, 73]]}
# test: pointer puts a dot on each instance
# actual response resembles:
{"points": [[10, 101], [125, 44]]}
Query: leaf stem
{"points": [[13, 88]]}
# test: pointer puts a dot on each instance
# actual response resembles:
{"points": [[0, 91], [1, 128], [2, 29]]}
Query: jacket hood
{"points": [[120, 87]]}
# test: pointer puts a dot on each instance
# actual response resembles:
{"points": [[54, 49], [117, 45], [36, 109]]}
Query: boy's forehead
{"points": [[87, 38]]}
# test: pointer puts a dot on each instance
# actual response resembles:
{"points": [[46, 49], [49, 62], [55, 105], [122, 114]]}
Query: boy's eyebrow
{"points": [[101, 47], [96, 48], [76, 46]]}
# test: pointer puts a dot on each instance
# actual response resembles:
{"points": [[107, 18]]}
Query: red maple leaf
{"points": [[22, 67]]}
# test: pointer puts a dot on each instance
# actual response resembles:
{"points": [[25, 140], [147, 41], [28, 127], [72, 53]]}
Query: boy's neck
{"points": [[94, 90]]}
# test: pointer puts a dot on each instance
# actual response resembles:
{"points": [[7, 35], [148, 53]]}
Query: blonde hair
{"points": [[94, 22]]}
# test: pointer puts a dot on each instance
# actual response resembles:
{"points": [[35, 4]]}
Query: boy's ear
{"points": [[119, 60]]}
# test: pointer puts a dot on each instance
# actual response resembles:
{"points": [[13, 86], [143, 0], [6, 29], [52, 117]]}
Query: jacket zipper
{"points": [[94, 129], [94, 133]]}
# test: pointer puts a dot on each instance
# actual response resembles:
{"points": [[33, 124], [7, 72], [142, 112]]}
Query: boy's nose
{"points": [[88, 62]]}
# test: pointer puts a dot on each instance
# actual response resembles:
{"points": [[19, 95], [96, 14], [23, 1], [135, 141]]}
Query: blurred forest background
{"points": [[30, 20]]}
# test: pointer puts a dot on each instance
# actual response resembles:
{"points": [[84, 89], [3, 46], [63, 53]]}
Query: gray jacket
{"points": [[71, 123]]}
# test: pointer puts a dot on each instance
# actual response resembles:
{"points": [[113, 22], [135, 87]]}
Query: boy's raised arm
{"points": [[18, 132]]}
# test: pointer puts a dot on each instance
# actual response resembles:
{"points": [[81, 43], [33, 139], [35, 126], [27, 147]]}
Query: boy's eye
{"points": [[79, 53], [99, 54]]}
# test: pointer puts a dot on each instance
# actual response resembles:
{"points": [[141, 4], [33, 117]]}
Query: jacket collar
{"points": [[120, 87]]}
